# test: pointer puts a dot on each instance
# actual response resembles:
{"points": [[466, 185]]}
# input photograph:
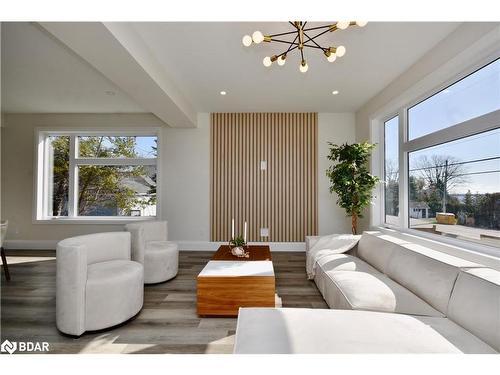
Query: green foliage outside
{"points": [[350, 178], [100, 187]]}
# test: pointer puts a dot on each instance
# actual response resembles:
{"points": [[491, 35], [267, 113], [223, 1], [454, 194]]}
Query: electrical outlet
{"points": [[264, 232], [263, 165]]}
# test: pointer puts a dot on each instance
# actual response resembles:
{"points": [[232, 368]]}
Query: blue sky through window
{"points": [[473, 96]]}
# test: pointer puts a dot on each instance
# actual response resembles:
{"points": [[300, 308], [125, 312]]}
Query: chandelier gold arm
{"points": [[302, 39]]}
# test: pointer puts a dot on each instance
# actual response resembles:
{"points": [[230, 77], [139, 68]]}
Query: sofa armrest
{"points": [[71, 278], [310, 241]]}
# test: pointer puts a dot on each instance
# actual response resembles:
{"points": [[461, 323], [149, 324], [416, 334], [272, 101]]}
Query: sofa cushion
{"points": [[161, 261], [338, 262], [374, 248], [344, 262], [428, 273], [323, 331], [161, 246], [475, 304], [356, 290]]}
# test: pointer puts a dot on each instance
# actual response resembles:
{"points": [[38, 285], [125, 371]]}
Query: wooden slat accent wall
{"points": [[282, 198]]}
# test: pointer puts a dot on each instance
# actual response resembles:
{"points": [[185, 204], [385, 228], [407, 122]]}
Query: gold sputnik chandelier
{"points": [[302, 38]]}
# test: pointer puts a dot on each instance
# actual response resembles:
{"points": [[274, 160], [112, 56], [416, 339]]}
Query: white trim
{"points": [[403, 168], [183, 245], [116, 161], [30, 244], [73, 178], [481, 124], [95, 131], [377, 168], [112, 220]]}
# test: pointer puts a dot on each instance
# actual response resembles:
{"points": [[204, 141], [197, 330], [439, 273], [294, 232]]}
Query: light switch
{"points": [[264, 232], [263, 165]]}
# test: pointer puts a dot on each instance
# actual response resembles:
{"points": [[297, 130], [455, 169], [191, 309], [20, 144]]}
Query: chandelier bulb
{"points": [[342, 25], [361, 23], [331, 57], [247, 40], [257, 37], [303, 66], [281, 60], [267, 61], [340, 51]]}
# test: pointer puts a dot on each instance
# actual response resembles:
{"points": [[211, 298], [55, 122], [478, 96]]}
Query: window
{"points": [[473, 96], [443, 176], [391, 170], [94, 175]]}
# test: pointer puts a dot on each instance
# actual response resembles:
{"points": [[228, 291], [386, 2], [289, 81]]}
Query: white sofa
{"points": [[388, 295], [151, 248], [97, 284]]}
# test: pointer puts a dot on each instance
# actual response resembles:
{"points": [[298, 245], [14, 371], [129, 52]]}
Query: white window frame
{"points": [[481, 124], [42, 177]]}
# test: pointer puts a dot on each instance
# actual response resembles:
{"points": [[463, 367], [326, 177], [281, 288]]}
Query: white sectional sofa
{"points": [[386, 295]]}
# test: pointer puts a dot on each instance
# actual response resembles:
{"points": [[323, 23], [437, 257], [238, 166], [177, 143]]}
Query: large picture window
{"points": [[85, 175], [442, 175]]}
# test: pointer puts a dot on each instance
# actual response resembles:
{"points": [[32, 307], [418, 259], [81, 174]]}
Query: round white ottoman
{"points": [[161, 261]]}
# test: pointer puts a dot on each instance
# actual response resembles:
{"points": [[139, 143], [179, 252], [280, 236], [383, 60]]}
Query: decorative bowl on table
{"points": [[237, 245]]}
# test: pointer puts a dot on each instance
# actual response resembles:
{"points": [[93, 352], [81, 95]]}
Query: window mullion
{"points": [[117, 161], [403, 169], [73, 178], [47, 173]]}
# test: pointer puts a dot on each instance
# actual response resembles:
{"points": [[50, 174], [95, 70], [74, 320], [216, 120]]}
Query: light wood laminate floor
{"points": [[167, 323]]}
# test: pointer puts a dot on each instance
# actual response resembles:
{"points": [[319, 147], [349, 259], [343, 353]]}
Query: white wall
{"points": [[462, 49], [336, 128], [185, 156], [186, 176]]}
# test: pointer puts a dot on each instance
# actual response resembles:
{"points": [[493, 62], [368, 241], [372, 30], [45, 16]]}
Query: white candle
{"points": [[232, 229], [245, 232]]}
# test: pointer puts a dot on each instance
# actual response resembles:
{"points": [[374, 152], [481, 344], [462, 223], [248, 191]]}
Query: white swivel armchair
{"points": [[97, 284], [151, 248]]}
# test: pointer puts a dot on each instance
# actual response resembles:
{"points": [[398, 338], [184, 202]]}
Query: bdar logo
{"points": [[9, 347]]}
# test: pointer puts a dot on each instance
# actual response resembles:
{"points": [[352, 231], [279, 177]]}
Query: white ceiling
{"points": [[39, 74]]}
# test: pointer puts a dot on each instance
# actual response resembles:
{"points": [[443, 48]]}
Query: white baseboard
{"points": [[183, 245], [30, 244]]}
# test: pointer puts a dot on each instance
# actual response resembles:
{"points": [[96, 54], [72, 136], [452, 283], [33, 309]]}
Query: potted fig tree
{"points": [[350, 178]]}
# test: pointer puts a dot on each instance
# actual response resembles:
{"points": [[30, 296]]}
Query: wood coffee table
{"points": [[228, 282]]}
